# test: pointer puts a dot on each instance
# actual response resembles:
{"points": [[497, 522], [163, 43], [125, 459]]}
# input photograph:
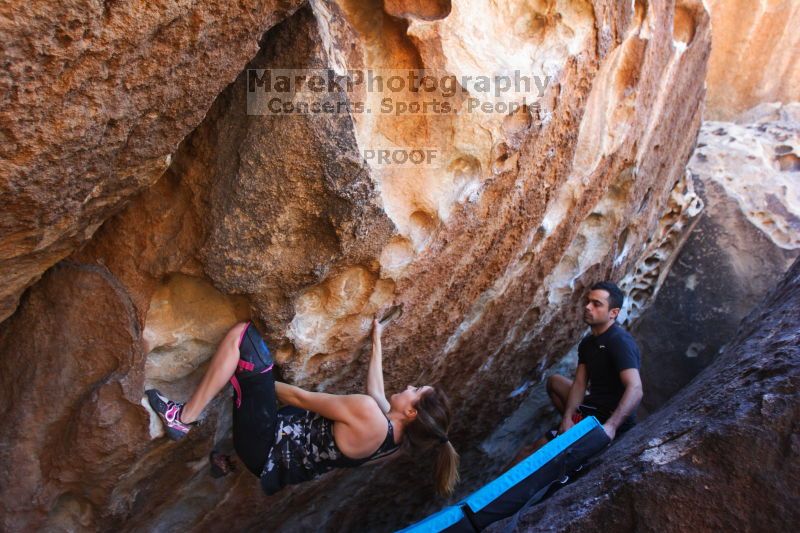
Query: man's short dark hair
{"points": [[615, 294]]}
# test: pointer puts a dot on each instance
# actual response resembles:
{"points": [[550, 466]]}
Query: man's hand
{"points": [[566, 424], [611, 431]]}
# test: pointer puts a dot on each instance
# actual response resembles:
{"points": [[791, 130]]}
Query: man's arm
{"points": [[375, 372], [575, 397], [630, 401]]}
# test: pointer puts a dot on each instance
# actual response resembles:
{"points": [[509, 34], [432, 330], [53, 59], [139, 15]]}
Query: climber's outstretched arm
{"points": [[375, 372], [347, 408]]}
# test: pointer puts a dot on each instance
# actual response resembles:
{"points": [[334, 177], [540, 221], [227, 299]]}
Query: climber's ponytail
{"points": [[429, 429], [446, 469]]}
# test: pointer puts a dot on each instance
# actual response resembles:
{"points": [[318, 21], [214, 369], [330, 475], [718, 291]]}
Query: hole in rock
{"points": [[789, 163], [626, 78], [392, 314], [639, 12], [683, 24], [622, 245], [70, 512], [465, 169], [541, 233], [422, 226], [501, 152], [504, 158], [531, 25], [611, 105], [651, 262], [420, 9], [646, 200], [594, 219], [396, 256], [518, 121]]}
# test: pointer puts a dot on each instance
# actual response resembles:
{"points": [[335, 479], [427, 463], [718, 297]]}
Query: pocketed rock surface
{"points": [[721, 455], [747, 173], [283, 219]]}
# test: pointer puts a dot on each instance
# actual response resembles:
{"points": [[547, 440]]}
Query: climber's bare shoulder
{"points": [[363, 431]]}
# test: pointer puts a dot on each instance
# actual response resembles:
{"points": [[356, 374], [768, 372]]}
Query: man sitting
{"points": [[608, 365]]}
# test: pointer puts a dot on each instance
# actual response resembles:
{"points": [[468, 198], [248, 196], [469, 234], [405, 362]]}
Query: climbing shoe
{"points": [[170, 414]]}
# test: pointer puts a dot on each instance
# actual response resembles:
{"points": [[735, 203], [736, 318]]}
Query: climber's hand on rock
{"points": [[611, 431], [377, 327]]}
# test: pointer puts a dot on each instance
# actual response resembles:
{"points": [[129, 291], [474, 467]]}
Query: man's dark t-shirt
{"points": [[605, 356]]}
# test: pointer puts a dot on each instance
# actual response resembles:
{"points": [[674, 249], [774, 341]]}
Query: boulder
{"points": [[72, 424], [743, 243]]}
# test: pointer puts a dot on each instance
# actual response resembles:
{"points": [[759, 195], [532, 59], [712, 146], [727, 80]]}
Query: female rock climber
{"points": [[315, 432]]}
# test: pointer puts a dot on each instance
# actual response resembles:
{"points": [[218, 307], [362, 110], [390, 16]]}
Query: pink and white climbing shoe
{"points": [[169, 412]]}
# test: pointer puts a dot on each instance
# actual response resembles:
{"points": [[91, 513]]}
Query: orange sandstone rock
{"points": [[96, 98], [754, 58]]}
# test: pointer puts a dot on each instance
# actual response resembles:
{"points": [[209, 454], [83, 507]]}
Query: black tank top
{"points": [[304, 449]]}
